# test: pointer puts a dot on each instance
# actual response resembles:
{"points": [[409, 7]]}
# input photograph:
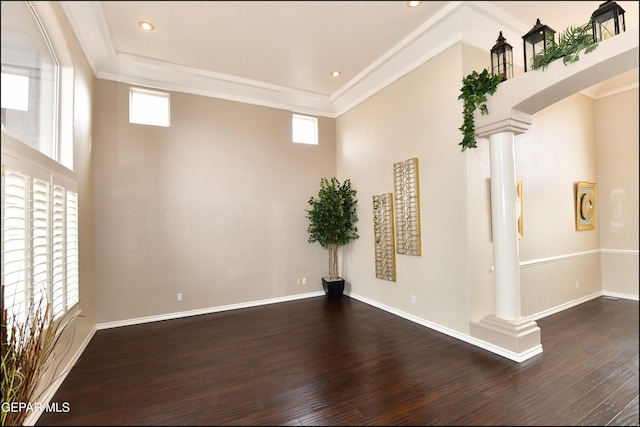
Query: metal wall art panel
{"points": [[407, 207], [385, 252]]}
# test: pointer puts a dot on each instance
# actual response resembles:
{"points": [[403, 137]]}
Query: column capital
{"points": [[516, 122]]}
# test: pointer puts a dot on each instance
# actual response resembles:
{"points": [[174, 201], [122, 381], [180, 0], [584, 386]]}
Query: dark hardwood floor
{"points": [[343, 362]]}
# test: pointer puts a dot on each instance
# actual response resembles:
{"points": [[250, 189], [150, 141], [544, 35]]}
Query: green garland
{"points": [[570, 43], [475, 88]]}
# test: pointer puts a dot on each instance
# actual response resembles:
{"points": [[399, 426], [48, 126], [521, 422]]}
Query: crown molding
{"points": [[131, 69], [480, 20], [481, 23], [88, 24]]}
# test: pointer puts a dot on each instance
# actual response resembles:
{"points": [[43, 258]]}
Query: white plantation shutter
{"points": [[15, 206], [72, 250], [40, 240], [38, 233], [58, 264]]}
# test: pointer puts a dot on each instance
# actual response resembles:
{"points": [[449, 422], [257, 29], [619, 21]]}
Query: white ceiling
{"points": [[281, 53]]}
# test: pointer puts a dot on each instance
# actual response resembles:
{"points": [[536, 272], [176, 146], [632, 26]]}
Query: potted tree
{"points": [[332, 218]]}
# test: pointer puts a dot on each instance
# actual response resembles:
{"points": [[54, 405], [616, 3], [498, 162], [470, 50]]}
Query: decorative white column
{"points": [[510, 113], [517, 337], [506, 257]]}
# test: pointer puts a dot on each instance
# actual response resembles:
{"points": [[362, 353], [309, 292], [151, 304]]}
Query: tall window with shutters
{"points": [[39, 241]]}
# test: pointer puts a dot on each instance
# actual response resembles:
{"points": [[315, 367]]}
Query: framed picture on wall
{"points": [[585, 206], [519, 212]]}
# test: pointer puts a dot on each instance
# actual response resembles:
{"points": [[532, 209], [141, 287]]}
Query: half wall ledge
{"points": [[535, 90]]}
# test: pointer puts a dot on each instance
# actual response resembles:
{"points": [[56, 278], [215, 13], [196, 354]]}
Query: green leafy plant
{"points": [[332, 218], [475, 88], [570, 42]]}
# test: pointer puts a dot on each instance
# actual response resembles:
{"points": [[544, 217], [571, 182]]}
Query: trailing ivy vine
{"points": [[475, 88], [570, 43]]}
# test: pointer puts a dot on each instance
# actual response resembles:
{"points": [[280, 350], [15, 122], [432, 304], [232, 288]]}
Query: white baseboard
{"points": [[619, 295], [208, 310], [564, 306], [517, 357]]}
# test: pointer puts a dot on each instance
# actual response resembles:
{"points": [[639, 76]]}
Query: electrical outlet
{"points": [[299, 282], [304, 280], [577, 284], [179, 297], [413, 299]]}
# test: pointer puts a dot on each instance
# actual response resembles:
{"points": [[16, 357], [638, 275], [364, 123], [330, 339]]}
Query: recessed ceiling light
{"points": [[146, 25], [336, 73], [414, 3]]}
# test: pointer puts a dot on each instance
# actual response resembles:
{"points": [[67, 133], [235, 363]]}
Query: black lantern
{"points": [[535, 42], [502, 58], [608, 21]]}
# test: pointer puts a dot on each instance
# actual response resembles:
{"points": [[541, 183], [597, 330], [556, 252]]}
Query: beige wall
{"points": [[212, 207], [478, 206], [416, 116], [83, 172], [617, 145], [561, 264]]}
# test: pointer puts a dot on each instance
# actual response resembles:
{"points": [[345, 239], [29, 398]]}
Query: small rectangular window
{"points": [[15, 92], [305, 129], [147, 107]]}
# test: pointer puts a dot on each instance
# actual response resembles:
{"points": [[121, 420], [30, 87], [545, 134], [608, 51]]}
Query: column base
{"points": [[518, 336]]}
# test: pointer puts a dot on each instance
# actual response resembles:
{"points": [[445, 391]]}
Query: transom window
{"points": [[148, 107], [304, 129]]}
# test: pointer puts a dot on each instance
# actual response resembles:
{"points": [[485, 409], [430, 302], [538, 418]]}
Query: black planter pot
{"points": [[333, 288]]}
